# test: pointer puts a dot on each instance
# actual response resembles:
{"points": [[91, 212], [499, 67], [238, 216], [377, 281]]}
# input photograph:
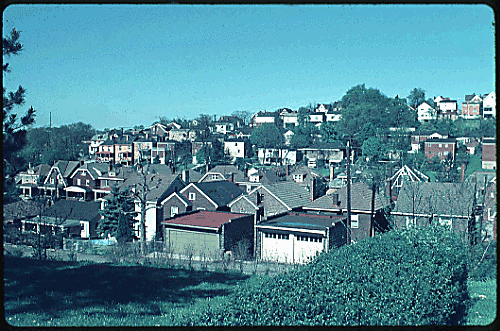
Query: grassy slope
{"points": [[484, 302], [55, 293]]}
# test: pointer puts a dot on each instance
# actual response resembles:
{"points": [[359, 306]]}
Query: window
{"points": [[84, 173], [440, 145], [174, 210], [492, 195], [52, 180], [214, 177], [78, 181], [87, 182], [354, 222], [192, 196], [445, 145], [445, 152], [104, 183]]}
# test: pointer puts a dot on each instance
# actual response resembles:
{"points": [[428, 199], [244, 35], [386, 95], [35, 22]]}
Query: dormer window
{"points": [[192, 196], [84, 173]]}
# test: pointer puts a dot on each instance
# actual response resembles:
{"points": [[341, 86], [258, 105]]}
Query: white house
{"points": [[289, 119], [273, 156], [489, 105], [235, 148], [316, 118], [333, 117], [426, 112], [288, 136]]}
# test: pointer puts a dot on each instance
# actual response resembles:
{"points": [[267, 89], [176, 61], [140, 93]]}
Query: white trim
{"points": [[82, 170], [211, 173], [289, 229], [197, 188], [429, 215], [243, 197], [170, 196], [192, 227]]}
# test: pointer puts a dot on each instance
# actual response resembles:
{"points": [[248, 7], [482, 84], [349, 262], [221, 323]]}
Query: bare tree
{"points": [[189, 251], [242, 251]]}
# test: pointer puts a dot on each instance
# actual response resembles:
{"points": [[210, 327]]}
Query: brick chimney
{"points": [[463, 171], [332, 172], [335, 198]]}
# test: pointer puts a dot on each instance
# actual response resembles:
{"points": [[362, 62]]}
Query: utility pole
{"points": [[348, 193]]}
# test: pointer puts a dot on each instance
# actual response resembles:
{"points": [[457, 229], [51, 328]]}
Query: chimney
{"points": [[287, 169], [232, 177], [313, 188], [335, 198], [207, 168], [185, 176], [388, 189], [332, 172], [463, 171]]}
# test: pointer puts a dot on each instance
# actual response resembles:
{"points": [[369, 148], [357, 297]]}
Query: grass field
{"points": [[484, 302], [55, 293]]}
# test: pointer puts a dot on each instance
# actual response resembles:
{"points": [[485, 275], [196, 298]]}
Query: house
{"points": [[14, 213], [159, 187], [425, 203], [58, 178], [302, 174], [298, 237], [212, 195], [327, 153], [176, 203], [404, 174], [72, 218], [317, 118], [182, 135], [471, 108], [208, 234], [124, 151], [289, 118], [89, 182], [159, 129], [441, 148], [224, 127], [28, 180], [361, 208], [447, 109], [425, 112], [235, 148], [142, 149], [261, 118], [223, 172], [242, 133], [282, 197], [471, 146], [421, 136], [489, 105], [95, 142], [276, 156], [489, 156], [106, 152]]}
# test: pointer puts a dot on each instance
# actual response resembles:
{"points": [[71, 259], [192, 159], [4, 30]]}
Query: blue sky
{"points": [[125, 65]]}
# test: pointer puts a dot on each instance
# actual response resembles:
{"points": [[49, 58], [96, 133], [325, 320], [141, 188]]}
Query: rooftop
{"points": [[204, 218], [303, 221]]}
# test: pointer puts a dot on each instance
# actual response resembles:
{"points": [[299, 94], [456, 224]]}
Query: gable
{"points": [[192, 188]]}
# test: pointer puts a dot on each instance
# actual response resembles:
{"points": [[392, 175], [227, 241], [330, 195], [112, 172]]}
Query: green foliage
{"points": [[406, 277], [118, 216], [267, 136], [374, 148], [13, 128], [416, 97]]}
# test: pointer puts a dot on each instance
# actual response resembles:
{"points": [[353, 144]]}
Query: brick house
{"points": [[419, 137], [124, 151], [441, 148], [489, 156], [472, 107], [58, 178], [361, 204], [87, 182]]}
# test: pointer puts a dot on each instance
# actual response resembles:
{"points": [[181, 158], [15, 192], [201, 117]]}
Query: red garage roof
{"points": [[211, 219]]}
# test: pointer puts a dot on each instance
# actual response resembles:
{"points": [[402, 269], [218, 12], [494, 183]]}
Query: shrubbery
{"points": [[406, 277]]}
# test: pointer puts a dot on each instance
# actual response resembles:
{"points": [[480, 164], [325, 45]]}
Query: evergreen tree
{"points": [[118, 216]]}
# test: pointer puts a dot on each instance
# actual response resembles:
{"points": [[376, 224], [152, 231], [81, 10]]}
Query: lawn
{"points": [[56, 293], [483, 308]]}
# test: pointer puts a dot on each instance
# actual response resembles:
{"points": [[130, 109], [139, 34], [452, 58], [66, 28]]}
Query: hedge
{"points": [[404, 277]]}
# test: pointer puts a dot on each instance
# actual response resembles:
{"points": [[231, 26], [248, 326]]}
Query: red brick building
{"points": [[489, 157], [441, 148]]}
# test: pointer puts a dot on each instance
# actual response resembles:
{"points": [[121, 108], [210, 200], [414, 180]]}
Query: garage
{"points": [[180, 239]]}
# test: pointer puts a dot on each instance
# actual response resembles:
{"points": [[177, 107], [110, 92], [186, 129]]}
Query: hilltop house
{"points": [[425, 112], [441, 148], [489, 105]]}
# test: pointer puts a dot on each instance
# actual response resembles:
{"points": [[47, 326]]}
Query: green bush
{"points": [[405, 277]]}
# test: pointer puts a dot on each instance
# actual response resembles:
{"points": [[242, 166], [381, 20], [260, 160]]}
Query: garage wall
{"points": [[201, 241], [237, 230]]}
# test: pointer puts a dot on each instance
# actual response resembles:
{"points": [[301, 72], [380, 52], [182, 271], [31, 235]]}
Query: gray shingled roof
{"points": [[152, 180], [292, 194], [226, 171], [221, 192], [361, 199], [436, 198], [67, 209]]}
